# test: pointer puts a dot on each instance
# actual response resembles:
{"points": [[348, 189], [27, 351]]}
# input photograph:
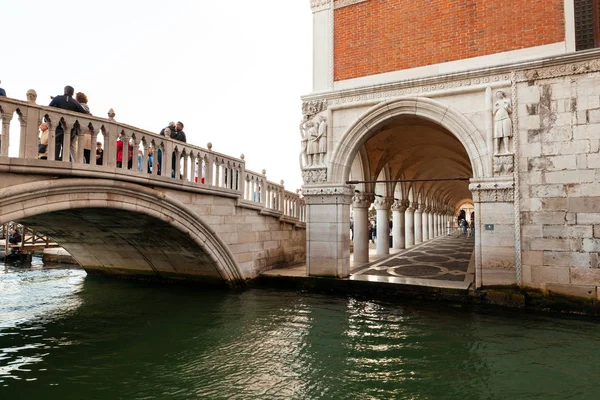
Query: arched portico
{"points": [[368, 124], [427, 212], [198, 251]]}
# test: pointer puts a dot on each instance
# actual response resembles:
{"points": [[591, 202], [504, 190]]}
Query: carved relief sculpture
{"points": [[303, 144], [502, 123], [322, 135]]}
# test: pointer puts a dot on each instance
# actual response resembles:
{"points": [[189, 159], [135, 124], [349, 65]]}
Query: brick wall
{"points": [[379, 36]]}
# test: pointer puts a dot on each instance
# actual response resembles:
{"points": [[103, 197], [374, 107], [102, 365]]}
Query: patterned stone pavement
{"points": [[443, 259]]}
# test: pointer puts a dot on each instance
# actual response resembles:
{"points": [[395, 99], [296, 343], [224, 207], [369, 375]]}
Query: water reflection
{"points": [[105, 339]]}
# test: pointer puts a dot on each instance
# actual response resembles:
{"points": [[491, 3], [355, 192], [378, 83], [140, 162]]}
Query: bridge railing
{"points": [[148, 155]]}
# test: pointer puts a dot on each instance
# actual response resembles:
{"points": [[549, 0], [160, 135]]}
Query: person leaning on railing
{"points": [[43, 146], [66, 102]]}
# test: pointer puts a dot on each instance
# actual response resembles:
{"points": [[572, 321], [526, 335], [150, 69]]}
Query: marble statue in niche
{"points": [[502, 123]]}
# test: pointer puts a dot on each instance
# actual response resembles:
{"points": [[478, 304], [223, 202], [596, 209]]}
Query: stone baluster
{"points": [[410, 225], [111, 134], [135, 161], [382, 205], [263, 188], [125, 154], [145, 156], [167, 157], [80, 140], [5, 138], [282, 205], [398, 230], [217, 172], [425, 222], [360, 206], [418, 223], [67, 125], [155, 160], [30, 131], [93, 140], [51, 140]]}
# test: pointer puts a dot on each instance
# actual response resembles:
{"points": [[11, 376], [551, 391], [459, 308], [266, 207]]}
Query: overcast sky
{"points": [[232, 71]]}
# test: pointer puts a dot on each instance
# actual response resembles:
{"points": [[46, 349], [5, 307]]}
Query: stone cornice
{"points": [[547, 67], [320, 5], [346, 3]]}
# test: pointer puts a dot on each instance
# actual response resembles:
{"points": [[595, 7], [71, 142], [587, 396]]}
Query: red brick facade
{"points": [[379, 36]]}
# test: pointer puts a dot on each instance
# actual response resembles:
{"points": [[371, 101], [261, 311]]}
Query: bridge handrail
{"points": [[196, 165]]}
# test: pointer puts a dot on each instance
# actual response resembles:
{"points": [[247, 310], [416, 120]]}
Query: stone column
{"points": [[410, 226], [418, 223], [328, 229], [430, 217], [425, 223], [382, 205], [435, 223], [360, 207], [398, 209]]}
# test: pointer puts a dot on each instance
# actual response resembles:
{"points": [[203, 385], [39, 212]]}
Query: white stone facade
{"points": [[540, 200]]}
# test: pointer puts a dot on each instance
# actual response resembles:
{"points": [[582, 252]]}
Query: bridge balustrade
{"points": [[180, 163]]}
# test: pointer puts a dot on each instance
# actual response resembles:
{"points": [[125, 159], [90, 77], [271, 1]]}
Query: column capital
{"points": [[328, 194], [362, 200], [398, 206], [383, 203]]}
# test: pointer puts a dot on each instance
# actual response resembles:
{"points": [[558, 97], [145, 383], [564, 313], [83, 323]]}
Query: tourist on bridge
{"points": [[99, 153], [179, 134], [66, 102], [43, 146], [2, 92], [170, 127], [120, 154]]}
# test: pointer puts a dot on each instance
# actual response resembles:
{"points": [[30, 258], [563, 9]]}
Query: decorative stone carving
{"points": [[111, 115], [493, 192], [312, 176], [312, 108], [31, 96], [502, 123], [320, 5], [398, 206], [410, 88], [346, 3], [362, 200], [556, 71], [504, 165], [313, 133], [328, 194], [383, 203]]}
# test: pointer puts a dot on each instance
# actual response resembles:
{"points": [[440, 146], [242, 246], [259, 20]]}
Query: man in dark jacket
{"points": [[179, 134], [66, 102], [2, 92]]}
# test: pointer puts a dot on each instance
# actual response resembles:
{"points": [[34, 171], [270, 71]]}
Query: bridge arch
{"points": [[368, 124], [25, 201]]}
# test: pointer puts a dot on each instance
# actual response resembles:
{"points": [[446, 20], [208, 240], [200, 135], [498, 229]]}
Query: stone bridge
{"points": [[212, 221]]}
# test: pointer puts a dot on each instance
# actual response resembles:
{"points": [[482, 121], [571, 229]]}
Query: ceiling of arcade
{"points": [[414, 148]]}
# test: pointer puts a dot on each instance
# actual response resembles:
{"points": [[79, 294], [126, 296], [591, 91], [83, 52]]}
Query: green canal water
{"points": [[64, 335]]}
